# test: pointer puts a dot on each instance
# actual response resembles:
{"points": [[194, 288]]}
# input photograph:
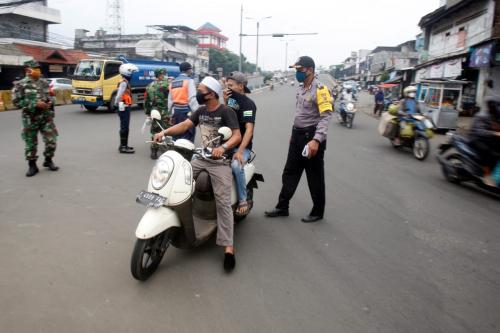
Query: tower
{"points": [[114, 16]]}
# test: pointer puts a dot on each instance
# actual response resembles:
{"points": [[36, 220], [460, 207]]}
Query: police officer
{"points": [[156, 97], [182, 99], [124, 102], [31, 94], [308, 142]]}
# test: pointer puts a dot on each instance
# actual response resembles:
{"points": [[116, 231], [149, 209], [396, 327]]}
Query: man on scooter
{"points": [[210, 117], [347, 97], [407, 106], [484, 136]]}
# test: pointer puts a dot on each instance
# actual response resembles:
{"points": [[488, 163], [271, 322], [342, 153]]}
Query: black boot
{"points": [[49, 164], [124, 149], [33, 169], [154, 153]]}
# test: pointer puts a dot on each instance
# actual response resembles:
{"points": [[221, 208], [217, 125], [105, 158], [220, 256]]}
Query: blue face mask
{"points": [[300, 76]]}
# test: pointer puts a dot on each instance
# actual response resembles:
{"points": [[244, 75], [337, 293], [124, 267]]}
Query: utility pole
{"points": [[241, 35], [257, 47]]}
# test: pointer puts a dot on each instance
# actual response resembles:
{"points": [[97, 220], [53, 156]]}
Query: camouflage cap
{"points": [[31, 64], [160, 71]]}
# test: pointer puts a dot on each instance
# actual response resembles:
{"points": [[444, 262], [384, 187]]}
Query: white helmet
{"points": [[128, 69], [410, 89]]}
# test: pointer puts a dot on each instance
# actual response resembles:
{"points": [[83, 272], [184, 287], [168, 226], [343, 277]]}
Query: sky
{"points": [[342, 25]]}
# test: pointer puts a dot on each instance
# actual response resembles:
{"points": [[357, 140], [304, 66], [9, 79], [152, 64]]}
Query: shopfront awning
{"points": [[388, 85]]}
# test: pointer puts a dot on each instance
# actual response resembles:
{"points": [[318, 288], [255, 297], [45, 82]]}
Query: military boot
{"points": [[33, 169], [154, 153], [124, 149], [50, 165]]}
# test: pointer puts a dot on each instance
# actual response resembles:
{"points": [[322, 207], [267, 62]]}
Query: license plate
{"points": [[150, 199]]}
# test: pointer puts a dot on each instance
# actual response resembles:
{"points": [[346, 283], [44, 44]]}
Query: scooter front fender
{"points": [[155, 221]]}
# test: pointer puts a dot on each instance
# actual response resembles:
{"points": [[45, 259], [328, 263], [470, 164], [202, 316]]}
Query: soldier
{"points": [[156, 97], [32, 96]]}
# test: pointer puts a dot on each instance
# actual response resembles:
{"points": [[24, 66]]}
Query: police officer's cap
{"points": [[31, 64], [304, 61], [160, 71], [185, 66]]}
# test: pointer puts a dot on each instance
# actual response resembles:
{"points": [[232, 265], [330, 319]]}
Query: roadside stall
{"points": [[442, 101]]}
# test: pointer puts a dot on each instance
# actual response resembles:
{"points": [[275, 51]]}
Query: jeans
{"points": [[239, 174]]}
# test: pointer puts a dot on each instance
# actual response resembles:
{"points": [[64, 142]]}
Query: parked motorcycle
{"points": [[460, 163], [349, 109], [181, 211]]}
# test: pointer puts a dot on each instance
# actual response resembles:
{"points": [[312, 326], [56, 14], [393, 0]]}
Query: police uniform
{"points": [[182, 100], [156, 97], [312, 116], [27, 93], [124, 95]]}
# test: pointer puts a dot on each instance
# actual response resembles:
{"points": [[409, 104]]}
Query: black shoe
{"points": [[229, 262], [130, 150], [33, 169], [311, 218], [276, 212], [49, 164], [125, 150], [154, 154]]}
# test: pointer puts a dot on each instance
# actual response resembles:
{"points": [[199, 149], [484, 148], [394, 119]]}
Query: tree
{"points": [[228, 61]]}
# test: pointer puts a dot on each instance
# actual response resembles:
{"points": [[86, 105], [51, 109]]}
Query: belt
{"points": [[301, 130]]}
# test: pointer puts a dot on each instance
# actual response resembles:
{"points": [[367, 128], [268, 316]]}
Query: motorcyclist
{"points": [[156, 98], [484, 136], [346, 97], [408, 106]]}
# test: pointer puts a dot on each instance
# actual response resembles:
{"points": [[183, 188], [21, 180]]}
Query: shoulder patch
{"points": [[176, 84]]}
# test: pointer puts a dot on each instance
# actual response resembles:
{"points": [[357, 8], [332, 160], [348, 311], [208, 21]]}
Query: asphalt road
{"points": [[400, 249]]}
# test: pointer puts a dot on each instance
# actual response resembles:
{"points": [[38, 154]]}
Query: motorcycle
{"points": [[350, 111], [181, 211], [460, 163], [415, 132]]}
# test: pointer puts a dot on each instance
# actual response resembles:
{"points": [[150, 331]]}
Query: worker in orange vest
{"points": [[124, 101], [182, 99]]}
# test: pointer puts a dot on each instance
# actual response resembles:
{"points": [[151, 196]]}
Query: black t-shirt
{"points": [[210, 122], [245, 109]]}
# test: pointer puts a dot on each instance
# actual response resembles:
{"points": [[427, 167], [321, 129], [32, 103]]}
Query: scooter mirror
{"points": [[225, 133], [155, 114]]}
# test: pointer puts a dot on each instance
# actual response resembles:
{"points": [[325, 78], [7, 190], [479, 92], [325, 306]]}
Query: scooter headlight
{"points": [[161, 172]]}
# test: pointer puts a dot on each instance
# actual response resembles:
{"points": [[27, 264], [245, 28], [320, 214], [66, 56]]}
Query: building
{"points": [[210, 37], [384, 59], [27, 20], [460, 44]]}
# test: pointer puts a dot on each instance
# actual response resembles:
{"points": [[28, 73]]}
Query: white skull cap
{"points": [[213, 84]]}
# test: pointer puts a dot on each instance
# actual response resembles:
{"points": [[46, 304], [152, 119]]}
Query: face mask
{"points": [[300, 76], [411, 95], [200, 97], [35, 73]]}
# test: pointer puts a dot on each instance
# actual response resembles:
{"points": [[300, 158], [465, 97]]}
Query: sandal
{"points": [[242, 208]]}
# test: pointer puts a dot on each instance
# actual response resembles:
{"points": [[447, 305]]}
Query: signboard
{"points": [[56, 69], [481, 56]]}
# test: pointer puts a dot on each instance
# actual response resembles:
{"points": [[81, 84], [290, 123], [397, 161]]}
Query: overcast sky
{"points": [[342, 25]]}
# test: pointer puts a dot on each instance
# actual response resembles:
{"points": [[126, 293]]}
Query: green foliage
{"points": [[228, 61]]}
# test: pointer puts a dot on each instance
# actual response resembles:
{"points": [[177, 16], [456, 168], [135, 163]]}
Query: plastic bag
{"points": [[406, 130], [147, 123]]}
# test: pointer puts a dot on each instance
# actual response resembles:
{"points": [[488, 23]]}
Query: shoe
{"points": [[50, 165], [311, 218], [33, 169], [124, 148], [154, 154], [277, 212], [229, 261], [130, 150]]}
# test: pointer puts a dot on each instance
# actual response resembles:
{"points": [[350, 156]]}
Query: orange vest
{"points": [[179, 90], [127, 94]]}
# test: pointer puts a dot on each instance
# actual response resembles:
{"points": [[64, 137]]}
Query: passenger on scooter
{"points": [[484, 136], [236, 98], [211, 116]]}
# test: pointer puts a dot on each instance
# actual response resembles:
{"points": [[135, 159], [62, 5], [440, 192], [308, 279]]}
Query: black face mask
{"points": [[200, 97]]}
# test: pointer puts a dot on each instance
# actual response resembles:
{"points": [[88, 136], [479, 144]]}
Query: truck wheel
{"points": [[90, 107]]}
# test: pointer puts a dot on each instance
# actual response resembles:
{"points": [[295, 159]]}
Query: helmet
{"points": [[128, 69], [408, 90], [160, 71]]}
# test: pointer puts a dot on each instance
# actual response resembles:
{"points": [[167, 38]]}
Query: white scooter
{"points": [[350, 111], [181, 210]]}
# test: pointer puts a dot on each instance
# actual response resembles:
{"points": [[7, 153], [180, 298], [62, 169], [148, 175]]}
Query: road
{"points": [[400, 249]]}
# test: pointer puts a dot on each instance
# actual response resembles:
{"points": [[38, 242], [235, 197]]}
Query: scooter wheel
{"points": [[421, 148], [147, 255], [449, 172]]}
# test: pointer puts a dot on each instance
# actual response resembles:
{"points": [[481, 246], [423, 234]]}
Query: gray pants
{"points": [[222, 178]]}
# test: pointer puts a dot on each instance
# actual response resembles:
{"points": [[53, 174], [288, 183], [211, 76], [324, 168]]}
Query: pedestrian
{"points": [[182, 99], [236, 98], [31, 94], [211, 117], [308, 142], [379, 102], [156, 97], [124, 102]]}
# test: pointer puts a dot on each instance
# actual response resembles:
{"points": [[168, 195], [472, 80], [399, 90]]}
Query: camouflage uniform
{"points": [[157, 98], [27, 93]]}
